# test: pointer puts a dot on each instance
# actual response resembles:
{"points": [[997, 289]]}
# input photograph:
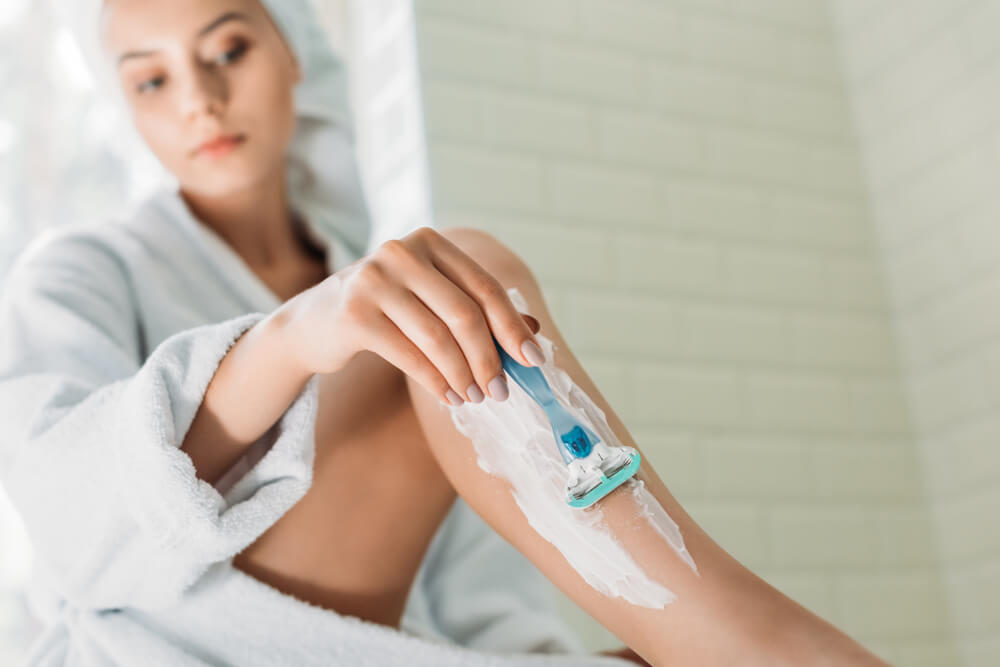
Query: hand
{"points": [[424, 306]]}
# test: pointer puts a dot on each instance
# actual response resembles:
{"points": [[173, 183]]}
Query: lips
{"points": [[223, 143]]}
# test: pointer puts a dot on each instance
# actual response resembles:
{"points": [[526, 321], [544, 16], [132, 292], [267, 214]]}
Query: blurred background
{"points": [[769, 228]]}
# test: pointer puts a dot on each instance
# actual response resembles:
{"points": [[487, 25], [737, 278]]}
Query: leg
{"points": [[372, 461], [724, 615]]}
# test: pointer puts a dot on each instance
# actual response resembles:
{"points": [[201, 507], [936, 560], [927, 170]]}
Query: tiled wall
{"points": [[923, 77], [685, 179]]}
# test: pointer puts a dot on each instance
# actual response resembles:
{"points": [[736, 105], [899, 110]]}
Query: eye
{"points": [[232, 55], [149, 84]]}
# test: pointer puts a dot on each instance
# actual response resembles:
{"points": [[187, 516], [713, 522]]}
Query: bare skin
{"points": [[365, 416]]}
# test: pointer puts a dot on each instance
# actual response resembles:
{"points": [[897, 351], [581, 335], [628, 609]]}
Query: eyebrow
{"points": [[228, 16]]}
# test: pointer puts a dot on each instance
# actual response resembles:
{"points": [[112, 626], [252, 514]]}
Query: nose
{"points": [[204, 92]]}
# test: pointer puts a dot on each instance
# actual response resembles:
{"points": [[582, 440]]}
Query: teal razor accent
{"points": [[574, 440]]}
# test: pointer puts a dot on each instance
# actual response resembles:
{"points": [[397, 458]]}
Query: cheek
{"points": [[267, 95], [162, 132]]}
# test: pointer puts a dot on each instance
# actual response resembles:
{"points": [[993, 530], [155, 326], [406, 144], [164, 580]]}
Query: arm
{"points": [[254, 384], [91, 451]]}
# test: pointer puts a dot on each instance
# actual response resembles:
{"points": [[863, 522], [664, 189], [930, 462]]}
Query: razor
{"points": [[594, 468]]}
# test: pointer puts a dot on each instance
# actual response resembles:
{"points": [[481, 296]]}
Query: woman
{"points": [[226, 455]]}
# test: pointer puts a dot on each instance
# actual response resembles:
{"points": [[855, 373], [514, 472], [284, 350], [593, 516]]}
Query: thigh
{"points": [[355, 541]]}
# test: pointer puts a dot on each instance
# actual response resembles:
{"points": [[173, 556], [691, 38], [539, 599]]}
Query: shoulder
{"points": [[83, 252], [89, 251], [87, 265], [68, 303]]}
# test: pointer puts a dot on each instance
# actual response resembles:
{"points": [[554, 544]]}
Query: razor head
{"points": [[588, 491], [583, 488], [617, 466]]}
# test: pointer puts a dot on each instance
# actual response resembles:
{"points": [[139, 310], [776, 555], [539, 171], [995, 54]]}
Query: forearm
{"points": [[254, 385]]}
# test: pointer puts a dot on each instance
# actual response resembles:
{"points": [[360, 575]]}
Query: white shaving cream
{"points": [[514, 441]]}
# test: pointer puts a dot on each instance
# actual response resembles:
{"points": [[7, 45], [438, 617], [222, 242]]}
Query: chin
{"points": [[226, 179]]}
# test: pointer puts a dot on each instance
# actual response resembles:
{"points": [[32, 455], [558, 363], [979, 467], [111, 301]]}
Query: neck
{"points": [[256, 222]]}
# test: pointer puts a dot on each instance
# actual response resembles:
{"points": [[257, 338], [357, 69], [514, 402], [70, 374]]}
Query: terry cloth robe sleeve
{"points": [[90, 455]]}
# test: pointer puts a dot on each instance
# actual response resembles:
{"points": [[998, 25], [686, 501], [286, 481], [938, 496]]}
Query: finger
{"points": [[503, 319], [467, 322], [462, 315], [434, 338], [387, 341]]}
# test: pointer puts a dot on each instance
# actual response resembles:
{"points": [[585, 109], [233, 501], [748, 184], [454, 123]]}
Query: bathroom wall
{"points": [[684, 177], [923, 79]]}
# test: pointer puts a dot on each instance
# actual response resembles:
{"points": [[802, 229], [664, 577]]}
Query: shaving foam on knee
{"points": [[514, 441]]}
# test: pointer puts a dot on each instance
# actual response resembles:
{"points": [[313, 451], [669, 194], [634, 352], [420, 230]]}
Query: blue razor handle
{"points": [[531, 378], [575, 440]]}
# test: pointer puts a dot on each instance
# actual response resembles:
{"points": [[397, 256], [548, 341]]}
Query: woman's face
{"points": [[195, 70]]}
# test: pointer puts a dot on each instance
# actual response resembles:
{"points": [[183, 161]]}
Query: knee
{"points": [[489, 252]]}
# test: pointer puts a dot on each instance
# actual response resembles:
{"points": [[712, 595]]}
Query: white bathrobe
{"points": [[109, 336]]}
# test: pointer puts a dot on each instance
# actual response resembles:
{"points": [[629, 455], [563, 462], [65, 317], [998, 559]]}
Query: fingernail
{"points": [[474, 393], [532, 353], [454, 398], [498, 388]]}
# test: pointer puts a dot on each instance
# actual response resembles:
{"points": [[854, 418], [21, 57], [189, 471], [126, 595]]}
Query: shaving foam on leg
{"points": [[514, 441]]}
